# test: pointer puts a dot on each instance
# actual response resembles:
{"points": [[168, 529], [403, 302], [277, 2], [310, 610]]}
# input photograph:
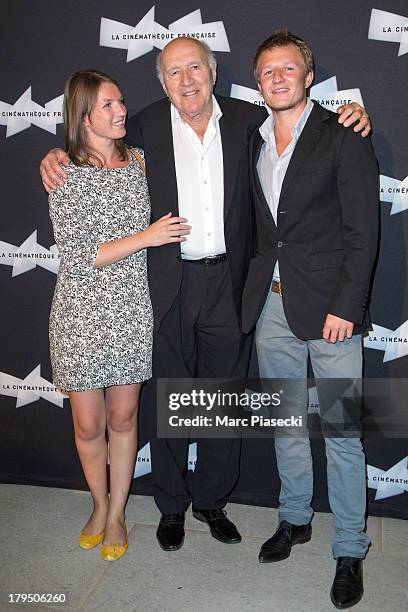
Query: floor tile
{"points": [[38, 534], [395, 537]]}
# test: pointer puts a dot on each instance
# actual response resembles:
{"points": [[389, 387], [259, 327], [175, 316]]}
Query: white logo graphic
{"points": [[30, 389], [394, 191], [393, 343], [147, 34], [388, 482], [326, 93], [390, 28], [29, 255], [143, 464], [247, 94], [20, 115]]}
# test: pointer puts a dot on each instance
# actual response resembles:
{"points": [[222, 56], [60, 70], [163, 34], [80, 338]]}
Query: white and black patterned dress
{"points": [[101, 319]]}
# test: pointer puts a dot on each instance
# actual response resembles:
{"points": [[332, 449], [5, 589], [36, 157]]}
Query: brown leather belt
{"points": [[207, 261], [276, 287]]}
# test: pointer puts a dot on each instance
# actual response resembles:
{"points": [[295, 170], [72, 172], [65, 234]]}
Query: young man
{"points": [[316, 198]]}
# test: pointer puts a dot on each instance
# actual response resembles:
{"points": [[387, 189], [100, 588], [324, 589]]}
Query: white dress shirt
{"points": [[200, 184], [272, 167]]}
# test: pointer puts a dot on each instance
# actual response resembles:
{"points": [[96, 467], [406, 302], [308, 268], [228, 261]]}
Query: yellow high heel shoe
{"points": [[87, 540], [113, 552]]}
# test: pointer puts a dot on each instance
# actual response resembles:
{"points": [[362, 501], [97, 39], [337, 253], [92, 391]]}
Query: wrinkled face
{"points": [[282, 78], [188, 78], [107, 118]]}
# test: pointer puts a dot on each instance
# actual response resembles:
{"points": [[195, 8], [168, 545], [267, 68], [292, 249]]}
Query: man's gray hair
{"points": [[212, 61]]}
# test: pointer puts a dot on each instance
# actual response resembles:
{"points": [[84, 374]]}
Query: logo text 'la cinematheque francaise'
{"points": [[25, 112], [148, 33]]}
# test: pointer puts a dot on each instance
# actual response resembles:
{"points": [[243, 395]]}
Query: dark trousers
{"points": [[199, 338]]}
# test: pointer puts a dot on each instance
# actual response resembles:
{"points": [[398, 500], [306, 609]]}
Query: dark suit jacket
{"points": [[326, 232], [151, 130]]}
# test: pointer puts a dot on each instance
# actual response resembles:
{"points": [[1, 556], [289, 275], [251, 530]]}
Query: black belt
{"points": [[212, 260]]}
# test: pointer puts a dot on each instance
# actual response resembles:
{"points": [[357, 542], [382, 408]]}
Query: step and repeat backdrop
{"points": [[361, 53]]}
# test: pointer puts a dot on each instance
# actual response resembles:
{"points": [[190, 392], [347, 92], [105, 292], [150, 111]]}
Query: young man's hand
{"points": [[336, 328]]}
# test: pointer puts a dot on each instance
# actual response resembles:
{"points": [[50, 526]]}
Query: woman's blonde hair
{"points": [[80, 94]]}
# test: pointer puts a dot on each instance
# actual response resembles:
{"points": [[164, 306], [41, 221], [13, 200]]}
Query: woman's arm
{"points": [[73, 233], [165, 230], [77, 245]]}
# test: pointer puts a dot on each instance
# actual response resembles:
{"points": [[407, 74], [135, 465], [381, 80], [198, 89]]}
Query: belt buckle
{"points": [[278, 286], [214, 259]]}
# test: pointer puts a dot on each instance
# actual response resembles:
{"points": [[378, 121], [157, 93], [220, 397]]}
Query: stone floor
{"points": [[39, 553]]}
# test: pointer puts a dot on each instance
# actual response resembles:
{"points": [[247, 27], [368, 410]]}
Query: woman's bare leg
{"points": [[122, 403], [89, 416]]}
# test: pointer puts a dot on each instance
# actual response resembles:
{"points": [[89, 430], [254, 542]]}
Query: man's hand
{"points": [[336, 328], [51, 169], [349, 113]]}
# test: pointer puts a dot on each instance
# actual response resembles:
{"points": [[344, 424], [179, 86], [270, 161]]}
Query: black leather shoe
{"points": [[347, 589], [221, 528], [170, 532], [279, 546]]}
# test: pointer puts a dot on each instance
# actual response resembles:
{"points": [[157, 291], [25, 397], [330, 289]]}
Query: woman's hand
{"points": [[165, 230], [51, 169]]}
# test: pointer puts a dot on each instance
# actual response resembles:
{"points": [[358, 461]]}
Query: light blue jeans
{"points": [[283, 355]]}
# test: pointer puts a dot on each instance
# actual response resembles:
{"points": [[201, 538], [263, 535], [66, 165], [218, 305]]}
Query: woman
{"points": [[101, 317]]}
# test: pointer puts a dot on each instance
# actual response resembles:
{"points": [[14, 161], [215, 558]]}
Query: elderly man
{"points": [[196, 151], [316, 199]]}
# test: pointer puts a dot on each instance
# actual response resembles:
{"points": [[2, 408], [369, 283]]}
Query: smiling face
{"points": [[107, 117], [188, 79], [283, 78]]}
